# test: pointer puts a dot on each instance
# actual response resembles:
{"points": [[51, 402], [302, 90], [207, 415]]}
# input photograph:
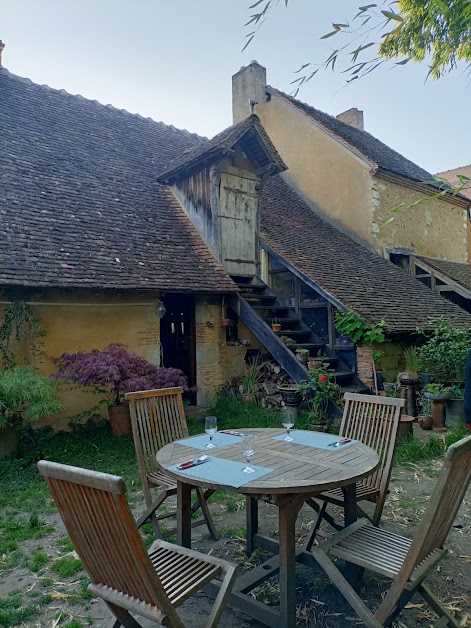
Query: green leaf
{"points": [[339, 26], [256, 4], [329, 35], [301, 68], [403, 62], [251, 36], [441, 5], [392, 16]]}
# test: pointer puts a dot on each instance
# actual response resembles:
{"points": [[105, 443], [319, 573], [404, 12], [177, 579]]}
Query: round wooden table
{"points": [[298, 472]]}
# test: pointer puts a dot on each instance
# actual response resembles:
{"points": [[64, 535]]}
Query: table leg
{"points": [[288, 512], [353, 573], [350, 503], [251, 514], [184, 514]]}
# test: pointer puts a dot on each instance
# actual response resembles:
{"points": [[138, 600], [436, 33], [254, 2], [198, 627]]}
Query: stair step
{"points": [[307, 345], [360, 390], [276, 308], [258, 297], [294, 332], [342, 375]]}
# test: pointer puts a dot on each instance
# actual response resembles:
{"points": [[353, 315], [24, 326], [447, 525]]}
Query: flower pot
{"points": [[9, 441], [425, 378], [425, 422], [438, 413], [405, 379], [290, 395], [248, 400], [454, 411], [435, 396], [314, 364], [406, 427], [120, 419], [276, 327]]}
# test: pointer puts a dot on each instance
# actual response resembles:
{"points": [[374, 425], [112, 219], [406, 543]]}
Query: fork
{"points": [[193, 463]]}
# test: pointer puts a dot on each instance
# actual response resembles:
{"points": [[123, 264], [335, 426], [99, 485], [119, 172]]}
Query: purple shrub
{"points": [[117, 371]]}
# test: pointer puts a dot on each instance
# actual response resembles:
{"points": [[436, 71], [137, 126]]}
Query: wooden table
{"points": [[299, 472]]}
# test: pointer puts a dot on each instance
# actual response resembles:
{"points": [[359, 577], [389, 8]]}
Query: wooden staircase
{"points": [[257, 305]]}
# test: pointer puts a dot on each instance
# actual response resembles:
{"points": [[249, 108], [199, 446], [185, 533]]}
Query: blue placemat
{"points": [[314, 439], [224, 472], [200, 441]]}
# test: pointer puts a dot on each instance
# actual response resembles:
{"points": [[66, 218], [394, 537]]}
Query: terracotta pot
{"points": [[9, 441], [276, 327], [425, 422], [120, 419], [248, 399], [438, 414], [406, 427]]}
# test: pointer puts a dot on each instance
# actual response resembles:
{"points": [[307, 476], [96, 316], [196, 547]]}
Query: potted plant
{"points": [[425, 416], [25, 396], [114, 372], [276, 325], [286, 340], [454, 406], [436, 391], [249, 379], [411, 374], [302, 355], [290, 394], [319, 390]]}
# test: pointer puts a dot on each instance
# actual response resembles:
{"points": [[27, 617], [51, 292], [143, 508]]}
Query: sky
{"points": [[172, 60]]}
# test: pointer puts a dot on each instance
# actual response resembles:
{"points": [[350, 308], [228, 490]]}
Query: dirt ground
{"points": [[319, 603]]}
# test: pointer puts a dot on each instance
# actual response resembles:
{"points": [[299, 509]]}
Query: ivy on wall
{"points": [[20, 328]]}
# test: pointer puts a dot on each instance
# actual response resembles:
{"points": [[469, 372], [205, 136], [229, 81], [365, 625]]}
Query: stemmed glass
{"points": [[288, 423], [210, 427], [247, 447]]}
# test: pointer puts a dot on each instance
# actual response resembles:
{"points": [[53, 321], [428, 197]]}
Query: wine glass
{"points": [[210, 427], [288, 422], [247, 447]]}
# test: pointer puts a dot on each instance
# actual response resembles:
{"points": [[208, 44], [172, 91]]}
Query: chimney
{"points": [[2, 46], [353, 117], [249, 84]]}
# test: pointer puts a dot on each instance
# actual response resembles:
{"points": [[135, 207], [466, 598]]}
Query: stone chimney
{"points": [[2, 46], [249, 84], [353, 117]]}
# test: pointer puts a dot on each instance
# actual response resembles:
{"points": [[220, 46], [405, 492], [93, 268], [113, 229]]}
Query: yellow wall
{"points": [[435, 228], [335, 179], [81, 322], [342, 186]]}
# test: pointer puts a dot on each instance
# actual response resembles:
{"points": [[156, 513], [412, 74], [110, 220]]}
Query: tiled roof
{"points": [[360, 141], [215, 149], [457, 271], [79, 202], [452, 177], [354, 275]]}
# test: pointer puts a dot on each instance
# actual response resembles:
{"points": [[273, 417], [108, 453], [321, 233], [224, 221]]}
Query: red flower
{"points": [[323, 378]]}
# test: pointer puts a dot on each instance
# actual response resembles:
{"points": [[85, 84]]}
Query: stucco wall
{"points": [[332, 177], [82, 322], [435, 228]]}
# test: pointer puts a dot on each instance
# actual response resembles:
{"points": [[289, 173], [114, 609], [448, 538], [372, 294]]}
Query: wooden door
{"points": [[239, 220], [177, 335]]}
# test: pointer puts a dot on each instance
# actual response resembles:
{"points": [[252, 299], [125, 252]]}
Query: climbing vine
{"points": [[351, 325], [20, 327]]}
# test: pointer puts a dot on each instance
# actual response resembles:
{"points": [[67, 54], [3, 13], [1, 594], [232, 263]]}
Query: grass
{"points": [[412, 450], [67, 566], [13, 612]]}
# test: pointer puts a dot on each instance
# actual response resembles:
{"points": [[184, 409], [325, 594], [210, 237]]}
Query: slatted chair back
{"points": [[374, 421], [158, 418], [100, 524], [444, 504]]}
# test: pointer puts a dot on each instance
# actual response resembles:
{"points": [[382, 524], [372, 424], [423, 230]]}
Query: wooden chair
{"points": [[158, 418], [375, 422], [407, 562], [129, 579]]}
